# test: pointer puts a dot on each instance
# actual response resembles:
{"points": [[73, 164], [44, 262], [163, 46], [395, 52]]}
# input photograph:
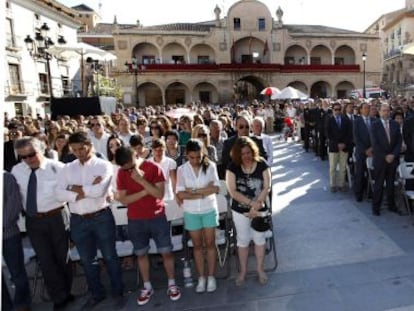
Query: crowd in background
{"points": [[200, 146]]}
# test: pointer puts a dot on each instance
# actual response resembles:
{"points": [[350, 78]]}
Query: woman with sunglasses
{"points": [[197, 186], [156, 130], [202, 132]]}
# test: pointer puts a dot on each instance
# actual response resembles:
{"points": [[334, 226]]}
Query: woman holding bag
{"points": [[248, 181]]}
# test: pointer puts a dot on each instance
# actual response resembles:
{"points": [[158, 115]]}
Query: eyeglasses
{"points": [[26, 156], [337, 109], [202, 135]]}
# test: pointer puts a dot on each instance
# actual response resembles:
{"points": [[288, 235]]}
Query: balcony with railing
{"points": [[392, 53], [16, 89], [248, 67]]}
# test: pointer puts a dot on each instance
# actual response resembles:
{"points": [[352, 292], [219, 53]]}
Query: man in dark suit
{"points": [[339, 132], [243, 129], [10, 155], [386, 142], [323, 115], [363, 149]]}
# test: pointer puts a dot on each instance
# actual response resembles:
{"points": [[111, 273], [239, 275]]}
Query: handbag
{"points": [[262, 222]]}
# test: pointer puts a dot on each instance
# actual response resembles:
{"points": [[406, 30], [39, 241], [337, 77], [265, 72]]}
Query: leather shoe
{"points": [[376, 212], [334, 189], [358, 199], [64, 303]]}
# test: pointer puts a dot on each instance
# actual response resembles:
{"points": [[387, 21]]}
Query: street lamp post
{"points": [[38, 49], [364, 58], [134, 67]]}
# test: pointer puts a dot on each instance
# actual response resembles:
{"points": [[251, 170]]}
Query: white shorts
{"points": [[245, 233]]}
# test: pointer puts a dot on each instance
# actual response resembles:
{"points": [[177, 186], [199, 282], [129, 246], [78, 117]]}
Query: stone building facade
{"points": [[396, 32], [232, 58]]}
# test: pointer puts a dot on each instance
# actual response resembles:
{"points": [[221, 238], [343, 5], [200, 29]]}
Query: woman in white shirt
{"points": [[197, 186]]}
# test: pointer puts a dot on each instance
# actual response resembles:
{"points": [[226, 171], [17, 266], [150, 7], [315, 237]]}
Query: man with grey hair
{"points": [[258, 127], [37, 178]]}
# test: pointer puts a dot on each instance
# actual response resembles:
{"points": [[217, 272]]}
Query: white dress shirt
{"points": [[75, 173], [186, 178], [99, 144], [47, 175], [268, 147], [167, 164]]}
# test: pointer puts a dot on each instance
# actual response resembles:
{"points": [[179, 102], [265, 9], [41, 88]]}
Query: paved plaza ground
{"points": [[333, 253]]}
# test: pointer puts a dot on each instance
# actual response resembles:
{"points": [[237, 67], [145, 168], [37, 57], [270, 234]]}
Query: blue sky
{"points": [[350, 14]]}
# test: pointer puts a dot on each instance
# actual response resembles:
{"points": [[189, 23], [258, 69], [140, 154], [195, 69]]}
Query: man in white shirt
{"points": [[98, 136], [85, 185], [37, 178], [258, 126]]}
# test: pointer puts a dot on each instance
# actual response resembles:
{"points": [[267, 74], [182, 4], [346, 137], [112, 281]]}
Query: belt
{"points": [[91, 215], [49, 213]]}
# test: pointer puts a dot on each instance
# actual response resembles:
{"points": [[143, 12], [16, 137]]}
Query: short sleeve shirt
{"points": [[250, 185], [147, 207]]}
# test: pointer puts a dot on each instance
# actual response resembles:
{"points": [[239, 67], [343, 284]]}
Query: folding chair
{"points": [[406, 172]]}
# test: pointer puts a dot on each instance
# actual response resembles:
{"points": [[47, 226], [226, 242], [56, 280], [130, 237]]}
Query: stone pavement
{"points": [[333, 254]]}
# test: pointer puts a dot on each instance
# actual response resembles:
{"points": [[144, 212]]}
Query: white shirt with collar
{"points": [[186, 178], [75, 173], [47, 175], [268, 147], [100, 144]]}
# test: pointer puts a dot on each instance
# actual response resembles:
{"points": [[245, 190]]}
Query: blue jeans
{"points": [[92, 233], [14, 258]]}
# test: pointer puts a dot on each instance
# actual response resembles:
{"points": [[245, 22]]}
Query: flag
{"points": [[265, 48]]}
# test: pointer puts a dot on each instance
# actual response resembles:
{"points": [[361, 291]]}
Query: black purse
{"points": [[262, 222]]}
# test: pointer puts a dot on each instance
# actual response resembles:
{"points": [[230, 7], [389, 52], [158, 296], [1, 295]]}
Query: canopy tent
{"points": [[290, 93], [80, 51]]}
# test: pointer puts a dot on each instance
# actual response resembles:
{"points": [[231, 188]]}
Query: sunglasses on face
{"points": [[337, 109], [27, 156]]}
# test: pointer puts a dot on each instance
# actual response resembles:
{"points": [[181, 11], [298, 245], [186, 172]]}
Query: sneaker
{"points": [[201, 285], [211, 284], [174, 292], [144, 296]]}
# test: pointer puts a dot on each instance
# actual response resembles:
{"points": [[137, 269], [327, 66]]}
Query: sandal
{"points": [[263, 278], [240, 282]]}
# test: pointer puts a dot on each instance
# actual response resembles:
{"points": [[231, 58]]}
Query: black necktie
{"points": [[31, 199]]}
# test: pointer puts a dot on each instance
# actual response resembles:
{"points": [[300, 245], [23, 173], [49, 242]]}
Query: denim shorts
{"points": [[140, 232], [193, 222]]}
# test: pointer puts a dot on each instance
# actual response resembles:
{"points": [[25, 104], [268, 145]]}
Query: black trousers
{"points": [[360, 180], [384, 173], [50, 242]]}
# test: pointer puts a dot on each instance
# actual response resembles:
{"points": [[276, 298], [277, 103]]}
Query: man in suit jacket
{"points": [[386, 144], [408, 136], [10, 155], [243, 129], [339, 134], [363, 149]]}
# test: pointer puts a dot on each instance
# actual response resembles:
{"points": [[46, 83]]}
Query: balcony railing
{"points": [[249, 67], [15, 89], [393, 53]]}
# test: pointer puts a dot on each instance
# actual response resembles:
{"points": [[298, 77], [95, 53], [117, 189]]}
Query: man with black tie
{"points": [[37, 178], [386, 144], [338, 130], [363, 149]]}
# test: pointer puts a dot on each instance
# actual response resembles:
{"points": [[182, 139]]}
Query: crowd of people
{"points": [[348, 132], [67, 175], [83, 166]]}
